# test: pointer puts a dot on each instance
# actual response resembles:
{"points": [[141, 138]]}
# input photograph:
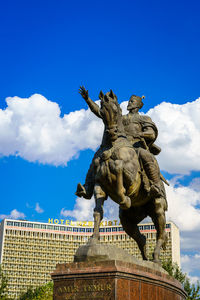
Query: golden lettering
{"points": [[89, 288], [108, 287], [82, 223], [76, 289], [85, 288], [59, 290], [95, 287], [67, 289]]}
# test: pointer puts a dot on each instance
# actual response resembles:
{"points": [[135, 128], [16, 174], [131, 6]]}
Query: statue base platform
{"points": [[100, 278]]}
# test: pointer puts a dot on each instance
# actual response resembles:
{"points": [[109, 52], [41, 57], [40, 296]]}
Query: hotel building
{"points": [[29, 251]]}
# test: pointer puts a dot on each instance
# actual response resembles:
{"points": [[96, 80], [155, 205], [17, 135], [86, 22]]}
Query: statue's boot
{"points": [[153, 174], [126, 204], [83, 191]]}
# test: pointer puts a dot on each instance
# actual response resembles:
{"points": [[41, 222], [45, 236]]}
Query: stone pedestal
{"points": [[114, 280]]}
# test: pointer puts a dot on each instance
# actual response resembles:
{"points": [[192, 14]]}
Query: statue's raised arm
{"points": [[92, 105]]}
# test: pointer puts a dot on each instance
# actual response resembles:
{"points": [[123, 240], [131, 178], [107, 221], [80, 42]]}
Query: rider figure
{"points": [[141, 132]]}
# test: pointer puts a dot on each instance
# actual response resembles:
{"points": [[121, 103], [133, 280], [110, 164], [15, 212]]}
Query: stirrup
{"points": [[155, 191]]}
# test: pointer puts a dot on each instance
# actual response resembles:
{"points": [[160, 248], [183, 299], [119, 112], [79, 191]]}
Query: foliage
{"points": [[192, 290], [44, 292], [3, 285]]}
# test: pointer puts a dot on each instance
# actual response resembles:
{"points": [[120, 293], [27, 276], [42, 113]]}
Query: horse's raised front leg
{"points": [[159, 220], [124, 201], [100, 197]]}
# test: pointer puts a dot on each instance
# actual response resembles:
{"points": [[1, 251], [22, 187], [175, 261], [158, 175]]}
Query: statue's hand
{"points": [[83, 92]]}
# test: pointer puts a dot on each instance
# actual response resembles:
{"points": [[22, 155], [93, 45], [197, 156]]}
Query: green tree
{"points": [[44, 292], [192, 290], [3, 285]]}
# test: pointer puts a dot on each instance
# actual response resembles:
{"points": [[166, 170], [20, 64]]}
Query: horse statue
{"points": [[118, 174]]}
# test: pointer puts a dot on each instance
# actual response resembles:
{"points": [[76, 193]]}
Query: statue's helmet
{"points": [[135, 102]]}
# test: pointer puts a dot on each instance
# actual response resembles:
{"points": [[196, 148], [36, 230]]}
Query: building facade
{"points": [[29, 251]]}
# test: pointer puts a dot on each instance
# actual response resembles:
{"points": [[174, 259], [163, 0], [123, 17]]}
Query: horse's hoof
{"points": [[93, 240], [81, 192], [157, 261]]}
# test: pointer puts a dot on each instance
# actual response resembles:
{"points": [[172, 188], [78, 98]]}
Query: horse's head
{"points": [[111, 114]]}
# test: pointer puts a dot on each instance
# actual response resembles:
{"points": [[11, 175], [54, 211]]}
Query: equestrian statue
{"points": [[125, 169]]}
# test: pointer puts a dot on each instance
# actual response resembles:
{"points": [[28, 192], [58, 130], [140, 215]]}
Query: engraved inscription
{"points": [[73, 290]]}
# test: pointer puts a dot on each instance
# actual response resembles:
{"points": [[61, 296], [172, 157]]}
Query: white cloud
{"points": [[83, 210], [33, 129], [15, 214], [190, 240], [179, 136], [195, 184], [183, 207], [38, 209], [190, 264], [111, 210]]}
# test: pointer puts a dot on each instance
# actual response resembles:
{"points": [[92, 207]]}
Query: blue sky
{"points": [[50, 48]]}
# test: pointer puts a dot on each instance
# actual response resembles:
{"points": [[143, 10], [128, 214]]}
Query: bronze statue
{"points": [[125, 169]]}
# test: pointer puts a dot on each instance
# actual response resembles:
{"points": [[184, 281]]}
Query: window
{"points": [[37, 226], [62, 228], [16, 224], [146, 227], [9, 223]]}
